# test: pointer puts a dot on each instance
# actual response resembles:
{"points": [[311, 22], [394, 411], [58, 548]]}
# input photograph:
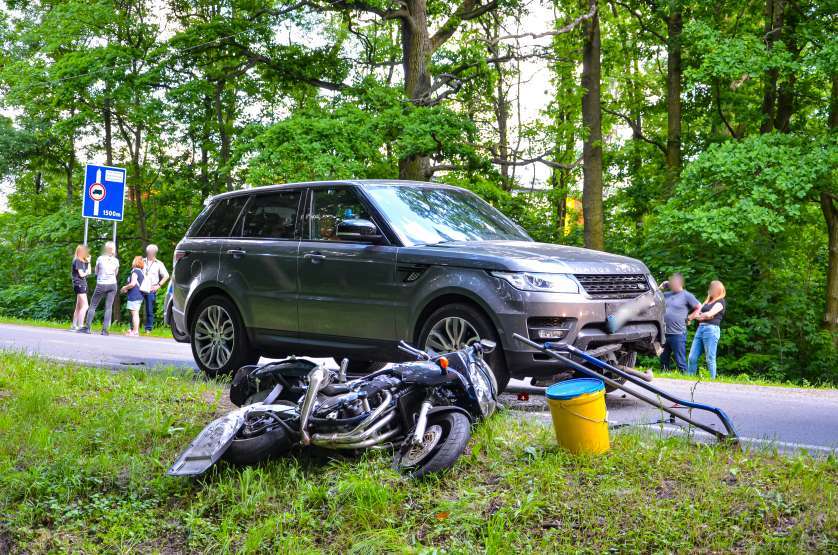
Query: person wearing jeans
{"points": [[679, 304], [709, 331], [155, 277], [107, 268]]}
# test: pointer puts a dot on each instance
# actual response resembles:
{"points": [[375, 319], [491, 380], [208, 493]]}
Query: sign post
{"points": [[104, 195]]}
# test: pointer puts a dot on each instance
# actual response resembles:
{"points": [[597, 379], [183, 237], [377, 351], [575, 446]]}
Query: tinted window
{"points": [[223, 216], [329, 207], [273, 215], [429, 215]]}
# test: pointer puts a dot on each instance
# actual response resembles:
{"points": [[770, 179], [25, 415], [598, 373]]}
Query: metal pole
{"points": [[114, 233], [86, 222]]}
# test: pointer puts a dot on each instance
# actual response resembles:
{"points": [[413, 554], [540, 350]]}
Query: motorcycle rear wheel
{"points": [[246, 451], [446, 436]]}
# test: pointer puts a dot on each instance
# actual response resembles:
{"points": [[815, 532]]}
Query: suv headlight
{"points": [[531, 281]]}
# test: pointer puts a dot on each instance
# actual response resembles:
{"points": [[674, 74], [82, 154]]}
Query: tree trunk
{"points": [[773, 27], [592, 145], [833, 104], [138, 184], [830, 214], [107, 116], [785, 94], [224, 134], [416, 51], [673, 95]]}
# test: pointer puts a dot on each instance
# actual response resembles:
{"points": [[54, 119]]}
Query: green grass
{"points": [[84, 453], [122, 327], [741, 379]]}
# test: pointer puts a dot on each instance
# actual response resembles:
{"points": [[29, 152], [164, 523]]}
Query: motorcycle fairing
{"points": [[215, 438], [428, 373]]}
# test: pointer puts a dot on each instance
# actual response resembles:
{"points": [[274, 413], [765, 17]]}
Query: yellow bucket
{"points": [[579, 415]]}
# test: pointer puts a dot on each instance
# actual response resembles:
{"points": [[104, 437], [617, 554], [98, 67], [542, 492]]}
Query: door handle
{"points": [[236, 253], [315, 257]]}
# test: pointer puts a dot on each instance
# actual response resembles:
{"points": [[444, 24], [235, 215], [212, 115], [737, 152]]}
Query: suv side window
{"points": [[330, 206], [272, 216], [223, 216]]}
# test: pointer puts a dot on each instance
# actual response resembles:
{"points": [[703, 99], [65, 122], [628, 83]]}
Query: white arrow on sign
{"points": [[97, 192]]}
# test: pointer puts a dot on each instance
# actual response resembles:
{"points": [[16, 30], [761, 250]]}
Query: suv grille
{"points": [[613, 286]]}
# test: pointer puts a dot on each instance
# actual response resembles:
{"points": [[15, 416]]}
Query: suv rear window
{"points": [[272, 216], [224, 214]]}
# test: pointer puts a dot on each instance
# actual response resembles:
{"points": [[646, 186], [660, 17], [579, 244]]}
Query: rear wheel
{"points": [[445, 439], [260, 439], [218, 338], [456, 326]]}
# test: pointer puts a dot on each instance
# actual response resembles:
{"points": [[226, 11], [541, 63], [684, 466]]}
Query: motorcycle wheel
{"points": [[261, 446], [446, 436]]}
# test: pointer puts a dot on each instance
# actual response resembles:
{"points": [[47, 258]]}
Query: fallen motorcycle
{"points": [[424, 409]]}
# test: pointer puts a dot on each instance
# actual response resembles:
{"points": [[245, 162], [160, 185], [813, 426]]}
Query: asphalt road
{"points": [[788, 418]]}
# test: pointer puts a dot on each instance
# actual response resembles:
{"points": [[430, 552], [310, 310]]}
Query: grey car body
{"points": [[358, 295]]}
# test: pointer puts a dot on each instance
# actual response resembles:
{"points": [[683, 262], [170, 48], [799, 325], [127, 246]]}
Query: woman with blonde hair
{"points": [[79, 271], [107, 268], [706, 340], [135, 295]]}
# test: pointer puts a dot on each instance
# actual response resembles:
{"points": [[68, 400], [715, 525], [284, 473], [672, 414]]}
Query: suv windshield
{"points": [[429, 215]]}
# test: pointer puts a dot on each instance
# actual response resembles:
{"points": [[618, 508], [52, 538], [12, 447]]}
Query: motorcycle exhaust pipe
{"points": [[317, 379], [365, 444], [351, 438], [355, 433]]}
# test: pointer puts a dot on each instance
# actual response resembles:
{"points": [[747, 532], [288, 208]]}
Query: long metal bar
{"points": [[86, 224], [550, 349]]}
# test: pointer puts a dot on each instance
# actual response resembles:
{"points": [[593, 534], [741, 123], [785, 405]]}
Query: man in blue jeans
{"points": [[680, 303], [155, 278]]}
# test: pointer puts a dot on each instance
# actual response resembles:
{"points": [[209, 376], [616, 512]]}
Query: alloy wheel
{"points": [[419, 451], [451, 334], [214, 337]]}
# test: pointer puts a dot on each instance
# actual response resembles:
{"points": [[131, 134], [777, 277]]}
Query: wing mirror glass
{"points": [[358, 230]]}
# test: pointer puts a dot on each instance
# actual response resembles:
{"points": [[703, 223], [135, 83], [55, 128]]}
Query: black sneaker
{"points": [[83, 329], [105, 332]]}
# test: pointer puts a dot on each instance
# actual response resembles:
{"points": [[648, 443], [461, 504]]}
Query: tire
{"points": [[456, 431], [361, 367], [481, 324], [218, 321], [259, 448]]}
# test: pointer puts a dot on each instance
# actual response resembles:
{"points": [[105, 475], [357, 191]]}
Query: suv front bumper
{"points": [[579, 320]]}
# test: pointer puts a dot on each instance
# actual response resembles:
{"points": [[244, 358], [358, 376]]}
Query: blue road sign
{"points": [[104, 193]]}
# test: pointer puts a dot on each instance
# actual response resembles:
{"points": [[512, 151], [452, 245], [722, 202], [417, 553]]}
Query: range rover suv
{"points": [[349, 268]]}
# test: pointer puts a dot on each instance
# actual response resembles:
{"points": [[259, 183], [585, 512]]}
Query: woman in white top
{"points": [[107, 268]]}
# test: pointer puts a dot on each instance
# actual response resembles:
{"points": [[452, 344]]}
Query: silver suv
{"points": [[349, 268]]}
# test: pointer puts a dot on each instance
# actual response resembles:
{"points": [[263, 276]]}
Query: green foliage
{"points": [[82, 468]]}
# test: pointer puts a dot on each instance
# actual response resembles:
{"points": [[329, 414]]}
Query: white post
{"points": [[86, 222]]}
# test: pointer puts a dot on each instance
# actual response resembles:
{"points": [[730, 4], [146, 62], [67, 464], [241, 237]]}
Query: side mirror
{"points": [[358, 230]]}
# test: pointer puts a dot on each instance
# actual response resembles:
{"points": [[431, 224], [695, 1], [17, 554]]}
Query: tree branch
{"points": [[466, 11], [566, 29], [640, 21], [636, 128]]}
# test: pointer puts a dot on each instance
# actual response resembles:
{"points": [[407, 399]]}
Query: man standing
{"points": [[155, 278], [680, 303]]}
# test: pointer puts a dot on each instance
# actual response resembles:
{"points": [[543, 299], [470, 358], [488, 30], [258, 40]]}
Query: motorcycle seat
{"points": [[335, 389]]}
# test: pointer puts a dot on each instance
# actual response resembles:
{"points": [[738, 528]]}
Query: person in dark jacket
{"points": [[78, 273], [709, 331]]}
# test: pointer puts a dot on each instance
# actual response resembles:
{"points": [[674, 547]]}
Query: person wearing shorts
{"points": [[135, 296], [78, 273]]}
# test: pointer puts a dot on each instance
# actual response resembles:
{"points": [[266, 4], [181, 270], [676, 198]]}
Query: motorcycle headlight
{"points": [[532, 281]]}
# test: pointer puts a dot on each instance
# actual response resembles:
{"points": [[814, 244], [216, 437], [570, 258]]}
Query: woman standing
{"points": [[135, 295], [79, 272], [107, 268], [706, 340]]}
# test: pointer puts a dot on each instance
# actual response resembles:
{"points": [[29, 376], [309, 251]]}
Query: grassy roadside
{"points": [[122, 327], [743, 379], [84, 453]]}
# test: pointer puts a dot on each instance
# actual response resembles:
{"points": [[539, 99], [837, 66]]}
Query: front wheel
{"points": [[456, 326], [260, 439], [446, 436]]}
